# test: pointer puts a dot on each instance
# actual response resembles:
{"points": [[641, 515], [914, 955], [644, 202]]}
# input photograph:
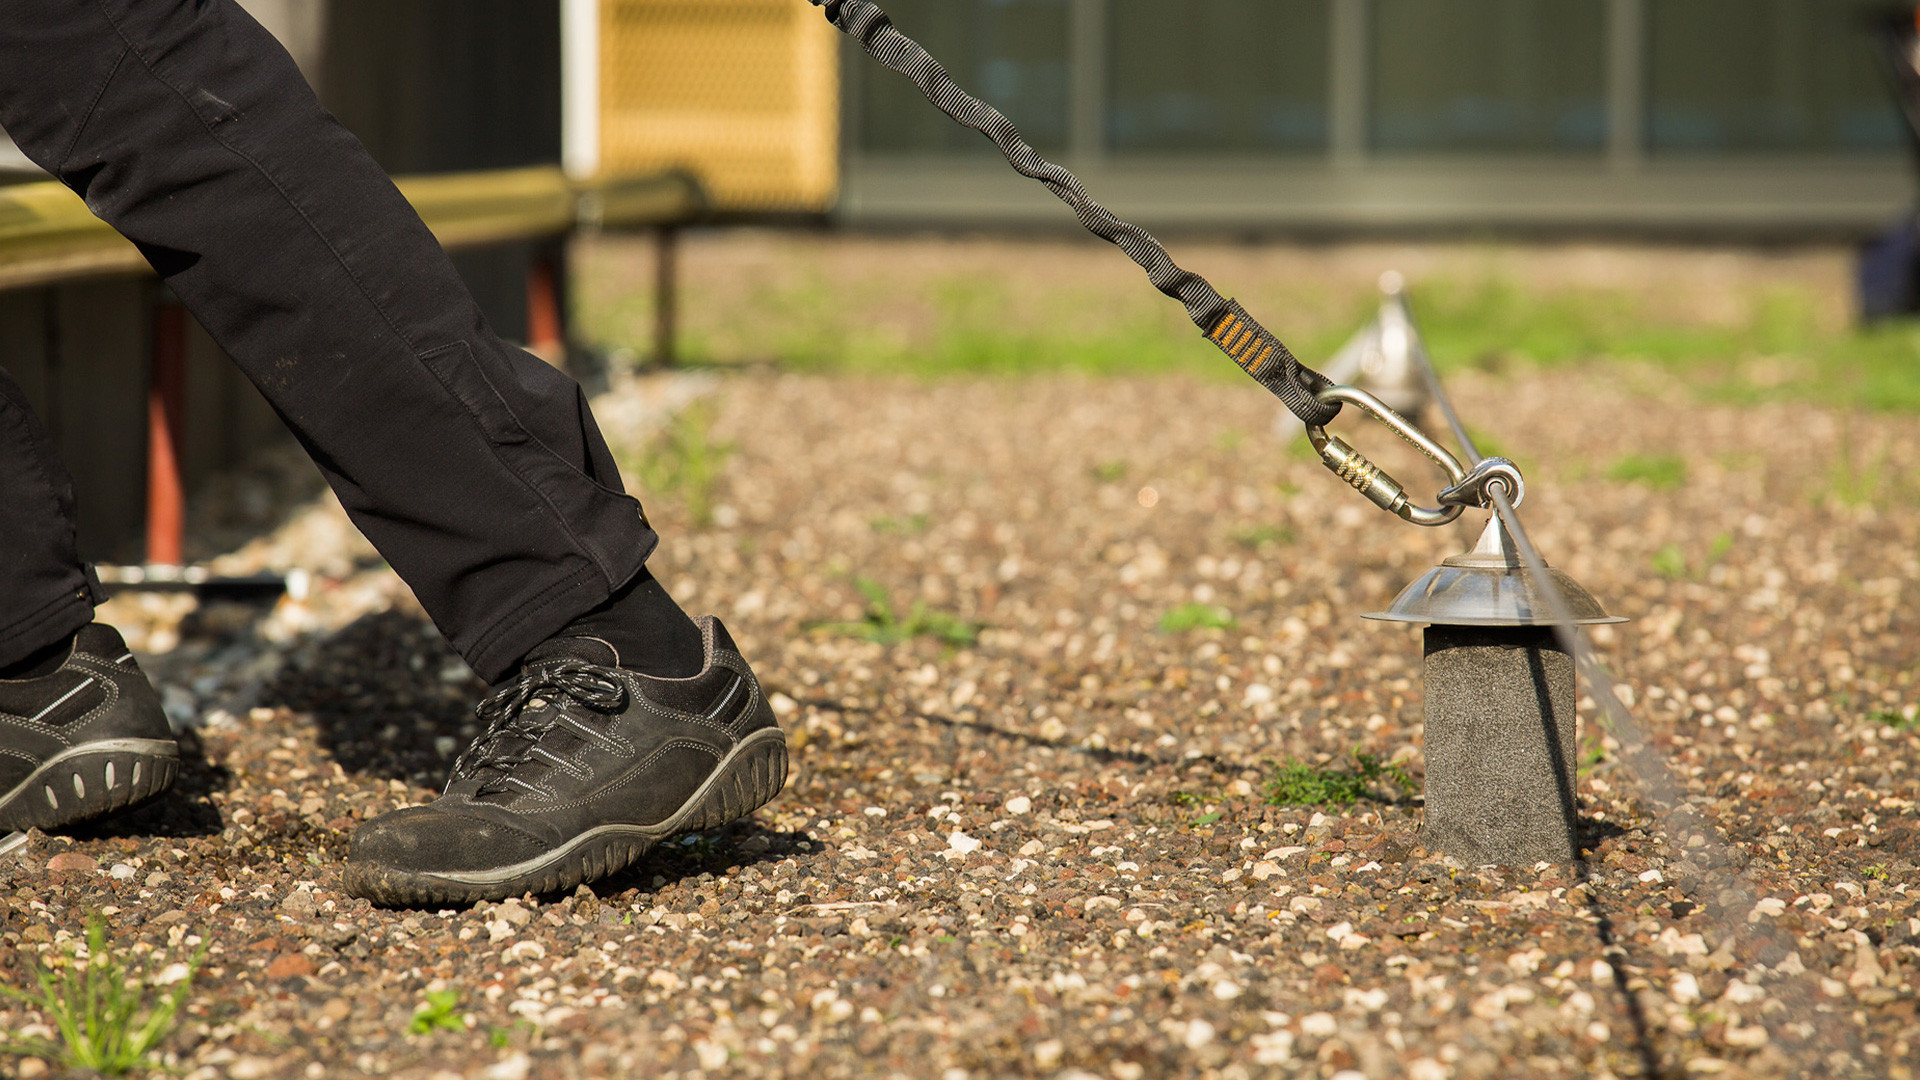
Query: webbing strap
{"points": [[1224, 321]]}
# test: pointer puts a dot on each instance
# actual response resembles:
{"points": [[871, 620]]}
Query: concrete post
{"points": [[1499, 706], [1499, 745]]}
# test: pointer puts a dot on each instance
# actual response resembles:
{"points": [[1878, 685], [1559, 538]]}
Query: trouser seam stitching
{"points": [[43, 614], [534, 603], [268, 176], [52, 492], [94, 105], [493, 445]]}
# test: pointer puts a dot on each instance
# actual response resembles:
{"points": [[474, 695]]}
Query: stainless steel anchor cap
{"points": [[1489, 586]]}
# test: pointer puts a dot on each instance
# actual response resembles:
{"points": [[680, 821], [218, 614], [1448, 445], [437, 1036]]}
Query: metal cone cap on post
{"points": [[1380, 357], [1489, 586]]}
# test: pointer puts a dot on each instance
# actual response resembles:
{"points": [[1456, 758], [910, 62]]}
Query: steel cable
{"points": [[1732, 895]]}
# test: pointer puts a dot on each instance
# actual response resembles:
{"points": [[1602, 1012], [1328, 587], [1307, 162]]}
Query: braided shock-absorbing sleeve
{"points": [[1224, 321]]}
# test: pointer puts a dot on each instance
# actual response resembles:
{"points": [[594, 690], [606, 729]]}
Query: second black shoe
{"points": [[583, 768], [83, 738]]}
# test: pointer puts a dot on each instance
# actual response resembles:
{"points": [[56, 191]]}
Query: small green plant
{"points": [[1902, 719], [1110, 472], [102, 1008], [1661, 472], [1874, 872], [440, 1012], [1258, 536], [1296, 783], [1196, 617], [1721, 547], [1594, 755], [502, 1037], [1208, 819], [886, 627], [684, 461], [1670, 562], [1852, 485], [911, 524], [1186, 798]]}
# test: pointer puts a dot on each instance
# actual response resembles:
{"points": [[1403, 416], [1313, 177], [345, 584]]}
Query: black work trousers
{"points": [[474, 467]]}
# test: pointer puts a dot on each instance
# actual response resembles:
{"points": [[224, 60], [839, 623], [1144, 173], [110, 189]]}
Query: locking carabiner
{"points": [[1369, 479]]}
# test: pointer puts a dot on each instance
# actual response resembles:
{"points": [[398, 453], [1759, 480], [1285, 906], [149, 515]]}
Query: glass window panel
{"points": [[1765, 75], [1217, 75], [1489, 75], [1012, 54]]}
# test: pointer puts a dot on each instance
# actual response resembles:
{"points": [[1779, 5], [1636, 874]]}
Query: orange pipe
{"points": [[166, 402], [544, 334]]}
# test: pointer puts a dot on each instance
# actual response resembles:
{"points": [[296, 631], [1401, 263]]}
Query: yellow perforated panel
{"points": [[742, 93]]}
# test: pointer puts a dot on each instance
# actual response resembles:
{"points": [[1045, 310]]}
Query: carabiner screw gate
{"points": [[1369, 479]]}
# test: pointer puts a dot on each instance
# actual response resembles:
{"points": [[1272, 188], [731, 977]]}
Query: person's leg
{"points": [[81, 730], [46, 593], [474, 467]]}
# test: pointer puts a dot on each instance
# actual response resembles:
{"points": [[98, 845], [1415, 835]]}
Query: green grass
{"points": [[1661, 472], [814, 315], [1901, 719], [682, 462], [1671, 561], [884, 626], [107, 1007], [1295, 783], [1259, 536], [1196, 617], [440, 1012], [912, 524]]}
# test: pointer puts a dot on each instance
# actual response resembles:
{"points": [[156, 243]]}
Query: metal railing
{"points": [[47, 235]]}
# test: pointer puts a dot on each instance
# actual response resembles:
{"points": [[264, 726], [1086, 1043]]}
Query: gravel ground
{"points": [[1047, 853]]}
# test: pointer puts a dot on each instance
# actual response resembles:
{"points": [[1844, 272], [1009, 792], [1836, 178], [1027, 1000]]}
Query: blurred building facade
{"points": [[1713, 116]]}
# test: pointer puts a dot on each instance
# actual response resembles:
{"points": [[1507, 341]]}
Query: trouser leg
{"points": [[475, 468], [45, 592]]}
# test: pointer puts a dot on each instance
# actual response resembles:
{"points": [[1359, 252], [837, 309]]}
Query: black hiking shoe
{"points": [[583, 768], [83, 740]]}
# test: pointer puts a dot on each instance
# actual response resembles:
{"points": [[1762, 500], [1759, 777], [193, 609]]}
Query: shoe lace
{"points": [[519, 715]]}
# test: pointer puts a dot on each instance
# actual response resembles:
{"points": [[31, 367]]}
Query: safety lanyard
{"points": [[1223, 321]]}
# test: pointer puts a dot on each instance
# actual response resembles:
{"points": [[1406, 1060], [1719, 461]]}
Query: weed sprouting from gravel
{"points": [[885, 626], [912, 524], [1851, 484], [1259, 536], [1671, 561], [100, 1005], [1661, 472], [440, 1012], [1900, 719], [1196, 617], [1295, 783], [684, 462]]}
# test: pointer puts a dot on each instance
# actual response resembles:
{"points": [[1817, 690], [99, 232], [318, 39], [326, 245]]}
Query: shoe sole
{"points": [[89, 781], [747, 779]]}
